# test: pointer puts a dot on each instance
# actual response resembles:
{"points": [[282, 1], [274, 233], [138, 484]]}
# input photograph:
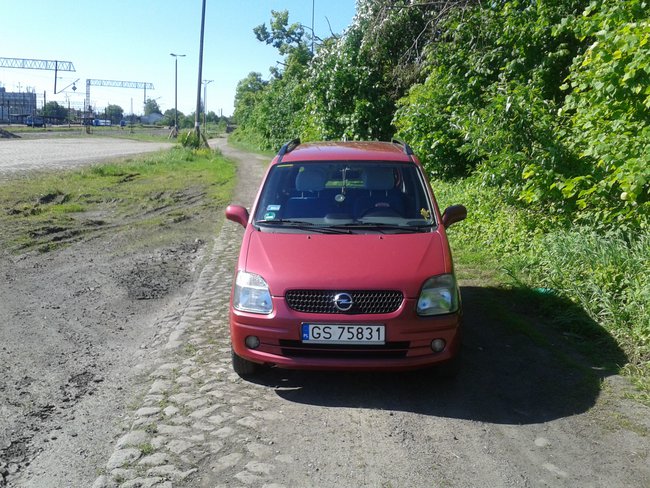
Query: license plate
{"points": [[342, 334]]}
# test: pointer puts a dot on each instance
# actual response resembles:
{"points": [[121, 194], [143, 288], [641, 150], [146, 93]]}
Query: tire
{"points": [[243, 367]]}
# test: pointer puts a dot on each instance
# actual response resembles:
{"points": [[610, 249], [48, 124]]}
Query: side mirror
{"points": [[453, 214], [237, 214]]}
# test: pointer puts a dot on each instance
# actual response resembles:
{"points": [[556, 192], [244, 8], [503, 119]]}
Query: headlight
{"points": [[439, 295], [251, 294]]}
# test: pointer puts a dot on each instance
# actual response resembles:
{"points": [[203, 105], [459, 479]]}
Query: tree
{"points": [[355, 80], [246, 96], [114, 113], [168, 117], [286, 38], [53, 110], [269, 112], [151, 107]]}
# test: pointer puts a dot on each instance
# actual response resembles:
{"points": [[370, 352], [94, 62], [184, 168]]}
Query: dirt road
{"points": [[61, 153], [106, 390]]}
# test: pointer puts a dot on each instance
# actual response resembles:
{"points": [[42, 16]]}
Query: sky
{"points": [[131, 40]]}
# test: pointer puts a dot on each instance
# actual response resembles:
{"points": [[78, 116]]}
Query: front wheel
{"points": [[243, 367]]}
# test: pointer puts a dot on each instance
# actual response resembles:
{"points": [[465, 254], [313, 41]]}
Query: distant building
{"points": [[15, 107]]}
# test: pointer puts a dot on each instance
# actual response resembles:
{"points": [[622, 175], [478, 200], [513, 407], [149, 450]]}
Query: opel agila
{"points": [[345, 264]]}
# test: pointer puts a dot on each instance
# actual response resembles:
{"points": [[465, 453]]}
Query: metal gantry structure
{"points": [[117, 84], [22, 63]]}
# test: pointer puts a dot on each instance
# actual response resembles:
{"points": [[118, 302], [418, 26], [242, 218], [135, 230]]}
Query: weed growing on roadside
{"points": [[146, 449]]}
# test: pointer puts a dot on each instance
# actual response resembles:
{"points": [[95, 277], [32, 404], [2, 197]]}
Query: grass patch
{"points": [[146, 449], [48, 210]]}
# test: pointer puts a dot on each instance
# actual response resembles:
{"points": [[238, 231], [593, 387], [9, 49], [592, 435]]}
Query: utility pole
{"points": [[313, 5], [197, 124]]}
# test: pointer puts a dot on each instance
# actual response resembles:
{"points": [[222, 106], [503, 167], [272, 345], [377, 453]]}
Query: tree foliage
{"points": [[114, 113], [151, 107], [608, 108], [491, 92], [55, 111], [547, 100], [286, 38], [247, 95]]}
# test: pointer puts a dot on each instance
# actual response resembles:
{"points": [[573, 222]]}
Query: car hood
{"points": [[346, 262]]}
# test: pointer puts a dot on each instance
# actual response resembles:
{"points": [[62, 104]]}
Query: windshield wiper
{"points": [[381, 226], [302, 225]]}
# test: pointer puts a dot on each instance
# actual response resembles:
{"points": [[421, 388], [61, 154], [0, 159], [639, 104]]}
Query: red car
{"points": [[345, 264]]}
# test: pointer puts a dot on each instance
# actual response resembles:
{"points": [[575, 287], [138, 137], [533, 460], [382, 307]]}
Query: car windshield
{"points": [[345, 197]]}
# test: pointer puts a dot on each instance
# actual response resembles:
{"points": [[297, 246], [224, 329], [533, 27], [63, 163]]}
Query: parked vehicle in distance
{"points": [[101, 122], [35, 121], [345, 264]]}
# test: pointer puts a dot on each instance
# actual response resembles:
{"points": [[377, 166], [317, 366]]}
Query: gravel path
{"points": [[21, 155]]}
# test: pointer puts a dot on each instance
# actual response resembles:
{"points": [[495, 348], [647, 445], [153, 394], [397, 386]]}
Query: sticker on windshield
{"points": [[273, 208], [269, 216], [425, 213]]}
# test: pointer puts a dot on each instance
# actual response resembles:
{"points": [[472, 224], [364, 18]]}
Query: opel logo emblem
{"points": [[343, 301]]}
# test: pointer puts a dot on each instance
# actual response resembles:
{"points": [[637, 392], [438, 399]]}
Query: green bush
{"points": [[608, 111], [494, 229], [190, 139]]}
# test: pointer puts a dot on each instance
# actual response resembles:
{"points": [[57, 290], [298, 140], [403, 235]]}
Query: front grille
{"points": [[364, 301], [390, 350]]}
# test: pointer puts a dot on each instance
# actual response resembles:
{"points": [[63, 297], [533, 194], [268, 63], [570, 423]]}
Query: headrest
{"points": [[378, 179], [311, 179]]}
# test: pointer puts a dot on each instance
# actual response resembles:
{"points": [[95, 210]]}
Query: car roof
{"points": [[346, 151]]}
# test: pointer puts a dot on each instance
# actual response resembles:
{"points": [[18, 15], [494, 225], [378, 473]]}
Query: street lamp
{"points": [[205, 99], [176, 56]]}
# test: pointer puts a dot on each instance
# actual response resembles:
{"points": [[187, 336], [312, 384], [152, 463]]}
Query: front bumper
{"points": [[408, 339]]}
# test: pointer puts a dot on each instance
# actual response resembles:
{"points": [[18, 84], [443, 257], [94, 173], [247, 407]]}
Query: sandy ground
{"points": [[84, 347], [26, 154]]}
